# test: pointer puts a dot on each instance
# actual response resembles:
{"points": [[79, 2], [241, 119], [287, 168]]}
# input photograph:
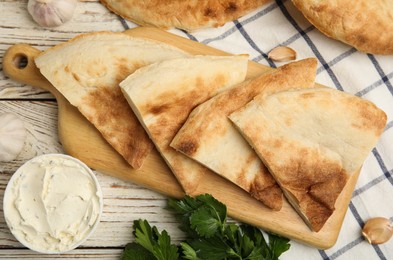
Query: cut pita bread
{"points": [[311, 140], [162, 95], [364, 24], [183, 14], [211, 139], [87, 70]]}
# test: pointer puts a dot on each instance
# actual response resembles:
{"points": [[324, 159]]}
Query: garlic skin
{"points": [[378, 230], [51, 13], [282, 53], [12, 136]]}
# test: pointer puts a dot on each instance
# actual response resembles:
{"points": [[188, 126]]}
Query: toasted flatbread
{"points": [[364, 24], [87, 70], [162, 95], [211, 139], [311, 140], [183, 14]]}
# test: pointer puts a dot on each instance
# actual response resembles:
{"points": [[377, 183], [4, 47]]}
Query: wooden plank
{"points": [[88, 16], [124, 202], [80, 139], [18, 27], [40, 119], [94, 253]]}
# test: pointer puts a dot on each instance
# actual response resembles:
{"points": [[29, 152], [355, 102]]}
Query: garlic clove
{"points": [[378, 230], [51, 13], [282, 53], [12, 136]]}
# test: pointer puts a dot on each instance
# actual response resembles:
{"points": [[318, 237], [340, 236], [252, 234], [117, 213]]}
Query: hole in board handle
{"points": [[21, 61]]}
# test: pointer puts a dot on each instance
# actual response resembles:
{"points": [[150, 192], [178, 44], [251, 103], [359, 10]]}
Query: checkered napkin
{"points": [[341, 67]]}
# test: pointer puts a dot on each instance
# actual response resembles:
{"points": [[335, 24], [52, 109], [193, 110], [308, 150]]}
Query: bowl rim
{"points": [[17, 173]]}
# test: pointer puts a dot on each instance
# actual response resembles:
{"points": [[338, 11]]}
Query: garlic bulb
{"points": [[51, 13], [378, 230], [12, 136]]}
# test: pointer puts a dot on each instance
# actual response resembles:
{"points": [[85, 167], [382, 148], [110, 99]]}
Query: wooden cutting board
{"points": [[81, 140]]}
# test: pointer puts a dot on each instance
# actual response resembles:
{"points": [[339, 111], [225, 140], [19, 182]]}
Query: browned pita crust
{"points": [[211, 139], [184, 14], [162, 96], [87, 70], [367, 25], [311, 140]]}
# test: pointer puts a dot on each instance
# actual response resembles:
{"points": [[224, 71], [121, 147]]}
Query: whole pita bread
{"points": [[211, 139], [183, 14], [311, 140], [87, 70], [364, 24], [163, 94]]}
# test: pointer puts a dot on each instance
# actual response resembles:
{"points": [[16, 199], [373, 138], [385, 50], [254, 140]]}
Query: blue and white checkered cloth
{"points": [[341, 67]]}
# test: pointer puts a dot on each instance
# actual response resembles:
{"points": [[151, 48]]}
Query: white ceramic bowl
{"points": [[53, 203]]}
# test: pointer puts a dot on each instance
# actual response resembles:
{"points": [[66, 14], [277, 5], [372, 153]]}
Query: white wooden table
{"points": [[123, 202]]}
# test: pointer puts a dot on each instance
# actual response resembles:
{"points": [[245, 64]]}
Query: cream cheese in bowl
{"points": [[52, 203]]}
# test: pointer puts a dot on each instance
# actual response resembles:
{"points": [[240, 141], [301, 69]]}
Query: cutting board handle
{"points": [[18, 65]]}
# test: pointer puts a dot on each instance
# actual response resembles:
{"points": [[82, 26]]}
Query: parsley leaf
{"points": [[155, 243], [136, 252], [212, 248], [204, 222], [278, 245], [209, 236], [189, 252], [199, 216]]}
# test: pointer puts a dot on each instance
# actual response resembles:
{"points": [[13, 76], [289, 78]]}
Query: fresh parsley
{"points": [[209, 236]]}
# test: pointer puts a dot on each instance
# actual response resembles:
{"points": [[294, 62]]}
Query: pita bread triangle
{"points": [[209, 137], [87, 71], [311, 140], [163, 94], [183, 14]]}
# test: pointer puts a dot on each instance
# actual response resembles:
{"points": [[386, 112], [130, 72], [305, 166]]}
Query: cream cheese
{"points": [[52, 203]]}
